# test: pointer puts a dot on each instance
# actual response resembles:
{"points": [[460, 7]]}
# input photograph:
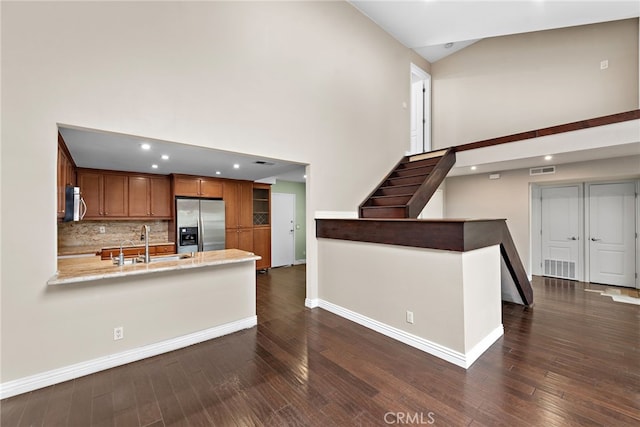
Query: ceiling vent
{"points": [[545, 170], [262, 162]]}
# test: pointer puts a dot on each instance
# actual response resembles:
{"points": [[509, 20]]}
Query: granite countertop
{"points": [[96, 249], [75, 270]]}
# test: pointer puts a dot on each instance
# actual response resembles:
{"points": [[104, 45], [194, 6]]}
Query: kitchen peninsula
{"points": [[157, 307], [87, 269]]}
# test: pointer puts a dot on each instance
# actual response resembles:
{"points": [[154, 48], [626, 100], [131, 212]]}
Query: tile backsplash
{"points": [[87, 233]]}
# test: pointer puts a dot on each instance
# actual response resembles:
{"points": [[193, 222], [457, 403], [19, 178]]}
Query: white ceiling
{"points": [[114, 151], [426, 26]]}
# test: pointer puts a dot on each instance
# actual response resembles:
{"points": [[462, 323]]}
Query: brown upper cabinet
{"points": [[238, 203], [111, 194], [149, 196], [66, 174], [238, 211], [194, 186], [106, 194]]}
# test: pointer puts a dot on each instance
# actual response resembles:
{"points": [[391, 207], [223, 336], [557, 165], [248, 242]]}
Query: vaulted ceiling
{"points": [[428, 26]]}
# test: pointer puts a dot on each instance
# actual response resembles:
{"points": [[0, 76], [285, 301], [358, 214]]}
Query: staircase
{"points": [[409, 186]]}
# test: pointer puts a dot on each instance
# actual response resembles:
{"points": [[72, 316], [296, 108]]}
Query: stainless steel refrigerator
{"points": [[200, 224]]}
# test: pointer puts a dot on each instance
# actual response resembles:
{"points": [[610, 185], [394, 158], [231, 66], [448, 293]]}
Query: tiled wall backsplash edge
{"points": [[87, 233]]}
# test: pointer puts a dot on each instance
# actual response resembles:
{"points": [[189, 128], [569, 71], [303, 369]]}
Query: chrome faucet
{"points": [[144, 235], [120, 260]]}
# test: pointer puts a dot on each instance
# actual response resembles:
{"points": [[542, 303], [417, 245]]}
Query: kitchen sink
{"points": [[175, 257], [159, 258]]}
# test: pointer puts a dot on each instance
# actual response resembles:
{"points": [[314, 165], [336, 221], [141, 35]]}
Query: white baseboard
{"points": [[440, 351], [55, 376], [300, 261], [311, 303], [484, 344]]}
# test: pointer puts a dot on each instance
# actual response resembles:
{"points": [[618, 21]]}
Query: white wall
{"points": [[454, 296], [505, 85], [311, 82]]}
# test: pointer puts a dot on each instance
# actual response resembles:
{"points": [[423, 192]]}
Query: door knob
{"points": [[593, 239]]}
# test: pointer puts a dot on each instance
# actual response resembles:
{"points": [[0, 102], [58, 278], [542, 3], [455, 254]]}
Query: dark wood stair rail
{"points": [[431, 184], [553, 130], [447, 234], [407, 188]]}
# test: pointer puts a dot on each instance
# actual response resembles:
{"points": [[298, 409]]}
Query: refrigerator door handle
{"points": [[200, 232]]}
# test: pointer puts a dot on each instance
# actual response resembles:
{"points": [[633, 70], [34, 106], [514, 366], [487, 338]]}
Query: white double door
{"points": [[609, 217]]}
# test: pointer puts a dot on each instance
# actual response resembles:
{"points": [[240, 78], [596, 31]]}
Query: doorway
{"points": [[420, 111], [612, 233], [586, 231], [283, 210], [561, 231]]}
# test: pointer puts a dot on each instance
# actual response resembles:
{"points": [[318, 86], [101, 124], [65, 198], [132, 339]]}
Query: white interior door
{"points": [[612, 234], [420, 131], [283, 208], [417, 116], [561, 230]]}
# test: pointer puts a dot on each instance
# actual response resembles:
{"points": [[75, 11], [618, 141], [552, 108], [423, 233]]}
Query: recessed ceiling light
{"points": [[145, 146], [474, 168], [236, 166], [217, 172], [154, 166], [165, 157], [448, 45], [548, 157]]}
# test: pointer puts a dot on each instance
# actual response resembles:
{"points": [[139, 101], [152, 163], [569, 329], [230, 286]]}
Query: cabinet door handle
{"points": [[593, 239], [573, 238]]}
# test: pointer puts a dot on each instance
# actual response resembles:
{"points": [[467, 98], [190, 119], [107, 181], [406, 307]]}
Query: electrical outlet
{"points": [[102, 229], [118, 333], [604, 64], [409, 316]]}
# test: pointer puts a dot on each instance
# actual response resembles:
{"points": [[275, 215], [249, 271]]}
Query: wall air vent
{"points": [[559, 268], [545, 170], [262, 162]]}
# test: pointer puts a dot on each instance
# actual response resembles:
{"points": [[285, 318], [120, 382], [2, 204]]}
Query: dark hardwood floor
{"points": [[572, 359]]}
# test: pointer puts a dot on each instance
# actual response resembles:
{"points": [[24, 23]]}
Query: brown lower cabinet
{"points": [[262, 246], [169, 248], [239, 238]]}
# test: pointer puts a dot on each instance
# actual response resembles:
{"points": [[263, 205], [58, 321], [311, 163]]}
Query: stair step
{"points": [[419, 163], [411, 179], [427, 155], [420, 170], [398, 200], [383, 212], [397, 190]]}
